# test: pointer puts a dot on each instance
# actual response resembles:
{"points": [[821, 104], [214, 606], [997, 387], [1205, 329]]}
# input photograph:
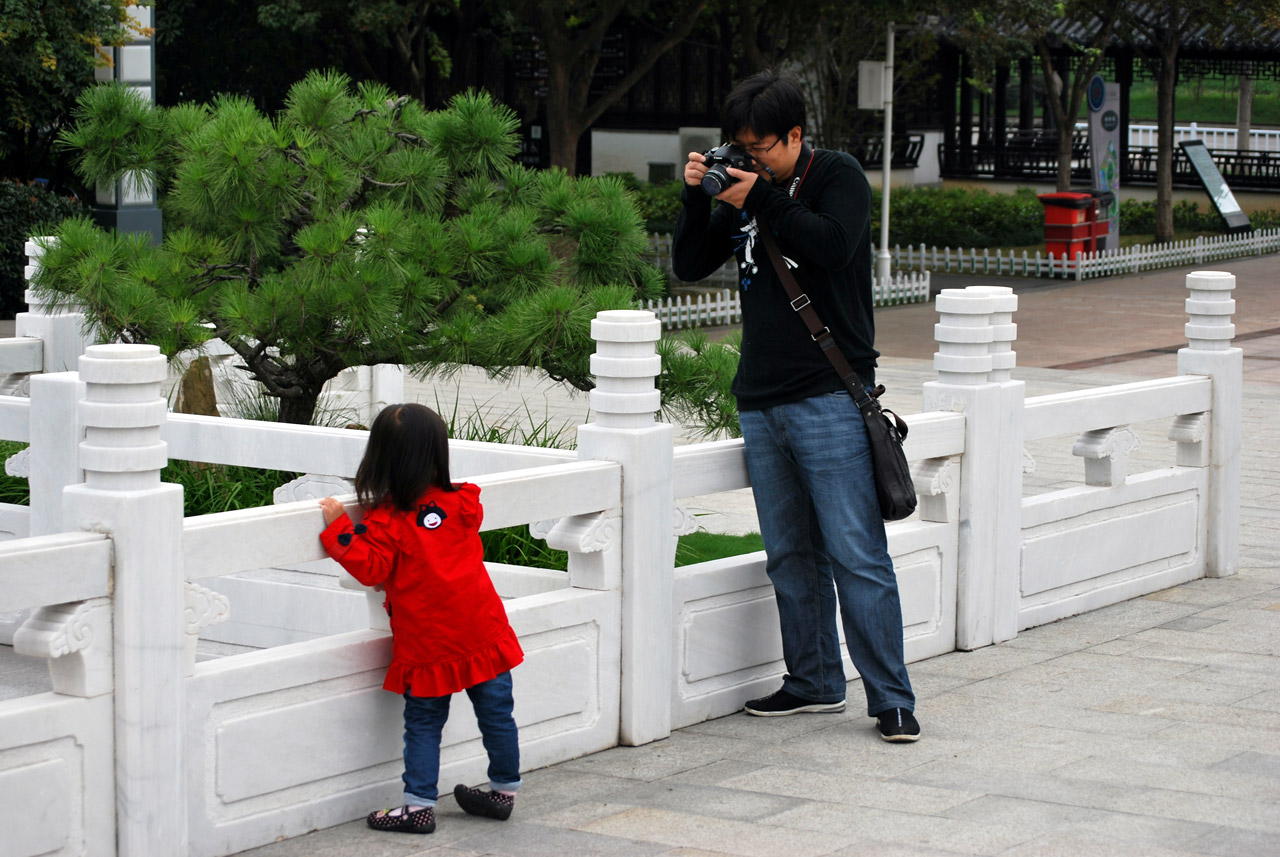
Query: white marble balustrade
{"points": [[215, 757]]}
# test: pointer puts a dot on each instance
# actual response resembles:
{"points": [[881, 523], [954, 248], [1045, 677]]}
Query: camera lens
{"points": [[715, 180]]}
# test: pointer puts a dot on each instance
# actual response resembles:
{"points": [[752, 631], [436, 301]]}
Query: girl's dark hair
{"points": [[408, 452], [769, 102]]}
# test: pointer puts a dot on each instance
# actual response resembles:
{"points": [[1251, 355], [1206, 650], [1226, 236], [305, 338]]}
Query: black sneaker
{"points": [[782, 703], [898, 725], [486, 803]]}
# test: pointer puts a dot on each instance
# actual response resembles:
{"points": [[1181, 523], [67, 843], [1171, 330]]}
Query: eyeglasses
{"points": [[757, 151]]}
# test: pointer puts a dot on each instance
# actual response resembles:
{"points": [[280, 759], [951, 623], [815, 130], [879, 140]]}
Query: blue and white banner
{"points": [[1104, 152]]}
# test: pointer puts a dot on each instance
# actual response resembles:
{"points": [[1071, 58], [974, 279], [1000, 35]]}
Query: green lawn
{"points": [[1208, 101]]}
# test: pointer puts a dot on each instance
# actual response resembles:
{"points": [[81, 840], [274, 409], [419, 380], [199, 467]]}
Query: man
{"points": [[805, 441]]}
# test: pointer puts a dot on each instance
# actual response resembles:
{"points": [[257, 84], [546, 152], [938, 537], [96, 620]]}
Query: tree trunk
{"points": [[562, 131], [299, 410], [1166, 84], [1053, 83], [1244, 109]]}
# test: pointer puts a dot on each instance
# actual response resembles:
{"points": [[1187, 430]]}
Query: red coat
{"points": [[449, 630]]}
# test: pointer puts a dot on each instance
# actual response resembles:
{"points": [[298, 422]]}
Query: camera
{"points": [[718, 160]]}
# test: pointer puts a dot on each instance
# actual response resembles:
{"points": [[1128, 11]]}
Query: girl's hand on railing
{"points": [[333, 510]]}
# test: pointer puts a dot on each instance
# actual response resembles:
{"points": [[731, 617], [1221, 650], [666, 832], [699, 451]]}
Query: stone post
{"points": [[59, 327], [122, 455], [966, 371], [56, 434], [54, 430], [624, 402], [1008, 491], [1209, 352]]}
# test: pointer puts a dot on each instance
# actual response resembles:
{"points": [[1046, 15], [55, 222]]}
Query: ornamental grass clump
{"points": [[352, 228]]}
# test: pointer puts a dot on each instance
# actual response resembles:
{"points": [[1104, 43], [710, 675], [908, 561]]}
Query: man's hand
{"points": [[695, 169], [736, 193], [333, 510]]}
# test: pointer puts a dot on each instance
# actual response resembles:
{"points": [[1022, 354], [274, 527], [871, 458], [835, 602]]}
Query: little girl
{"points": [[420, 540]]}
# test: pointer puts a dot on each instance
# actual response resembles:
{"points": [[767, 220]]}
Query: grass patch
{"points": [[703, 547], [206, 488], [210, 488], [13, 489]]}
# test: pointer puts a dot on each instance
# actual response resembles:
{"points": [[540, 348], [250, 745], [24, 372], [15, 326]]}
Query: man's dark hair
{"points": [[769, 102], [408, 452]]}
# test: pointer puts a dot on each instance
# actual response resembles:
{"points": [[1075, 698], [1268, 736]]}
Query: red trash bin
{"points": [[1068, 223]]}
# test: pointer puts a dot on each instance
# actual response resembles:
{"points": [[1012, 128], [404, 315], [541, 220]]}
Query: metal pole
{"points": [[882, 257]]}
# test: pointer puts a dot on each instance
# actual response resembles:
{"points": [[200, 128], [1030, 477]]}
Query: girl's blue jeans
{"points": [[424, 719], [810, 469]]}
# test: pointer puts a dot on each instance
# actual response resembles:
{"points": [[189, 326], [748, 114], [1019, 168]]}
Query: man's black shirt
{"points": [[826, 232]]}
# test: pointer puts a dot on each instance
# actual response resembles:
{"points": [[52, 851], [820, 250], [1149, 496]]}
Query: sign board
{"points": [[870, 85], [1104, 154], [1216, 186]]}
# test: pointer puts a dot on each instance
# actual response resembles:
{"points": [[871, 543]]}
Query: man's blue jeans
{"points": [[810, 468], [424, 718]]}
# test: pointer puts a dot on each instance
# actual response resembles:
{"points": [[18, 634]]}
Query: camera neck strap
{"points": [[803, 162], [818, 331]]}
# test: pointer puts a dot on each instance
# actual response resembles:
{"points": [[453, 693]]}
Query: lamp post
{"points": [[127, 205], [882, 257]]}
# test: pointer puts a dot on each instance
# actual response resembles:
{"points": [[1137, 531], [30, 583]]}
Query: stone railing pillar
{"points": [[122, 455], [54, 430], [59, 326], [974, 359], [1008, 489], [1209, 352], [624, 403]]}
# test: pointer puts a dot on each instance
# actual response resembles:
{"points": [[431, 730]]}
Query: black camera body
{"points": [[717, 177]]}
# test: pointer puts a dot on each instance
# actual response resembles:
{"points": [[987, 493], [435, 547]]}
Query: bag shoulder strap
{"points": [[801, 304]]}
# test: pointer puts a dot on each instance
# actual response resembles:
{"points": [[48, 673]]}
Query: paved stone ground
{"points": [[1151, 727]]}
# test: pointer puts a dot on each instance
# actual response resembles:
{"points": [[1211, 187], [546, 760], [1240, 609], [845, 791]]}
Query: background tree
{"points": [[353, 228], [1160, 29], [403, 43], [828, 65], [571, 33], [208, 49], [761, 34], [48, 52], [1067, 38]]}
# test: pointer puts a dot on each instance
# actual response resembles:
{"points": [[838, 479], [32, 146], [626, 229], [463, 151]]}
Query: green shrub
{"points": [[960, 217], [659, 204], [1139, 217], [25, 211]]}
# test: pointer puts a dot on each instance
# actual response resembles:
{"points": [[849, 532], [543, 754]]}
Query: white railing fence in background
{"points": [[920, 260], [1122, 260], [1260, 140], [725, 307], [221, 756]]}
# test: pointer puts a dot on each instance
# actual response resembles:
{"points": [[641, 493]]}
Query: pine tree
{"points": [[353, 228]]}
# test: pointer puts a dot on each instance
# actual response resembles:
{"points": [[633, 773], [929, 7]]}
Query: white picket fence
{"points": [[1260, 140], [725, 307], [1123, 260]]}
